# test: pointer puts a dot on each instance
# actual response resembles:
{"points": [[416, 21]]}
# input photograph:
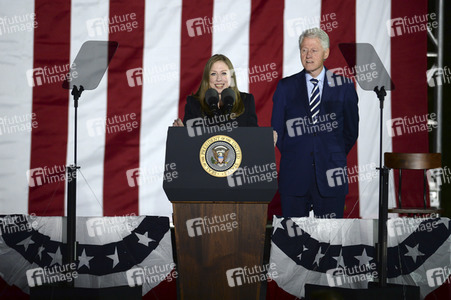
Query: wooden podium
{"points": [[219, 221]]}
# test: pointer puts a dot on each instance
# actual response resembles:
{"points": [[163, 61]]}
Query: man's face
{"points": [[313, 56]]}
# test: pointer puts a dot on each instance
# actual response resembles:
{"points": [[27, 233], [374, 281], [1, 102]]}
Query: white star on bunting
{"points": [[144, 239], [278, 224], [114, 257], [26, 242], [41, 248], [84, 259], [302, 252], [413, 252], [444, 222], [56, 257], [318, 257], [340, 259], [364, 259]]}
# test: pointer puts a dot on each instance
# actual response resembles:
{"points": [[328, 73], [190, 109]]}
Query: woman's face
{"points": [[219, 76]]}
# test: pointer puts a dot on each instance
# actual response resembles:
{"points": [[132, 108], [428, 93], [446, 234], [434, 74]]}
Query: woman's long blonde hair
{"points": [[238, 106]]}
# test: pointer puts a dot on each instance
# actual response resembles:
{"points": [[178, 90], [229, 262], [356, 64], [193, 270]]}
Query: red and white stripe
{"points": [[251, 33]]}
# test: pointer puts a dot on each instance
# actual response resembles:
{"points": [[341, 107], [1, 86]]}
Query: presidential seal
{"points": [[220, 156]]}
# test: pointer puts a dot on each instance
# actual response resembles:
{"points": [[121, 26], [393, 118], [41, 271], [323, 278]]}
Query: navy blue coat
{"points": [[325, 144]]}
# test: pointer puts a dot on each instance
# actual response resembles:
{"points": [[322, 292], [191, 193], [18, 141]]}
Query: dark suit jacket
{"points": [[247, 119], [302, 144]]}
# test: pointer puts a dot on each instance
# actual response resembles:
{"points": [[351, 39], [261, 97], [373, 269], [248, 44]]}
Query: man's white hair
{"points": [[315, 33]]}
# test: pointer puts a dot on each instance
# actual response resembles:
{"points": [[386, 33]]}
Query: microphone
{"points": [[228, 99], [212, 99]]}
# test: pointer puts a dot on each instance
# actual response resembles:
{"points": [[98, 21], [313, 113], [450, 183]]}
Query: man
{"points": [[316, 119]]}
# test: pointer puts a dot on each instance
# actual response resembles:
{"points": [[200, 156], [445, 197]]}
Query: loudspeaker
{"points": [[60, 292], [374, 292]]}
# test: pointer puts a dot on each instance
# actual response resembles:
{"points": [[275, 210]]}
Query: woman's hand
{"points": [[177, 123]]}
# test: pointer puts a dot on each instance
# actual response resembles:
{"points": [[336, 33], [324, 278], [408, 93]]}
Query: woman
{"points": [[218, 74]]}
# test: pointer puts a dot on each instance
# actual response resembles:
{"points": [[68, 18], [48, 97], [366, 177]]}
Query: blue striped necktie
{"points": [[314, 100]]}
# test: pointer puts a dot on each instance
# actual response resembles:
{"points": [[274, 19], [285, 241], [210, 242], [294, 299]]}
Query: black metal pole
{"points": [[383, 217], [71, 256], [71, 213], [383, 199]]}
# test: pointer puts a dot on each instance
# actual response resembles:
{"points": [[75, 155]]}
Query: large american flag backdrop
{"points": [[163, 47]]}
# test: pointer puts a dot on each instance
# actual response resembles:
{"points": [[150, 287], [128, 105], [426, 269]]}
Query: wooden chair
{"points": [[413, 161]]}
